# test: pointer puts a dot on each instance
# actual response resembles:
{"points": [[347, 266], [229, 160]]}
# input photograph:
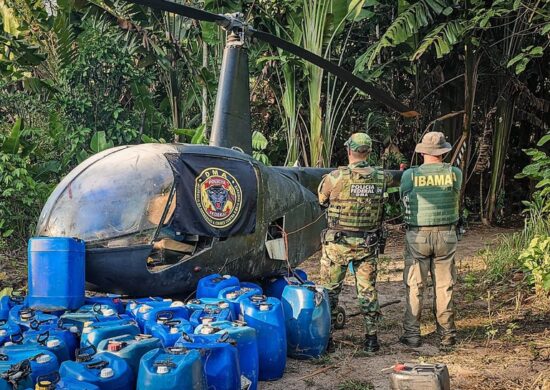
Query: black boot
{"points": [[331, 347], [413, 342], [371, 343]]}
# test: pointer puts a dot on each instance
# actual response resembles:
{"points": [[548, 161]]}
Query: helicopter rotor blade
{"points": [[232, 23], [343, 74], [184, 10]]}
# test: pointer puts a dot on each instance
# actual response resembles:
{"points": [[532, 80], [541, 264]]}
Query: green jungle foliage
{"points": [[87, 75], [528, 250]]}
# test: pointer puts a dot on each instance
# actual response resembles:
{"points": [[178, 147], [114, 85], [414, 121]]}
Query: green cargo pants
{"points": [[334, 264], [430, 249]]}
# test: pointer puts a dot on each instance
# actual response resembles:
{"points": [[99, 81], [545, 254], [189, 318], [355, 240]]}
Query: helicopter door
{"points": [[275, 242]]}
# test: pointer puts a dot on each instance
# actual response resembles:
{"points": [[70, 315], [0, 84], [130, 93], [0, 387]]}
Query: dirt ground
{"points": [[504, 338]]}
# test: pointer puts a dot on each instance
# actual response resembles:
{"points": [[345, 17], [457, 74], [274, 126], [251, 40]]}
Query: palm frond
{"points": [[442, 38], [408, 23]]}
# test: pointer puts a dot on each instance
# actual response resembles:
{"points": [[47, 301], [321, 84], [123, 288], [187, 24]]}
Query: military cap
{"points": [[359, 142], [434, 144]]}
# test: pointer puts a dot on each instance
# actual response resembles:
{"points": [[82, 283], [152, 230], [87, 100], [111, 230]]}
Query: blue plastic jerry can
{"points": [[210, 314], [150, 313], [69, 339], [199, 304], [273, 287], [265, 314], [4, 308], [47, 341], [235, 294], [133, 306], [168, 331], [113, 300], [104, 370], [219, 358], [247, 345], [40, 361], [56, 273], [171, 369], [91, 313], [307, 317], [252, 285], [95, 332], [211, 285], [24, 316], [7, 330], [54, 381], [130, 348], [7, 302]]}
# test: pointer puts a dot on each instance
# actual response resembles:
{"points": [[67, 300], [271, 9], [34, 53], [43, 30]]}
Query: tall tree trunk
{"points": [[503, 124], [471, 61]]}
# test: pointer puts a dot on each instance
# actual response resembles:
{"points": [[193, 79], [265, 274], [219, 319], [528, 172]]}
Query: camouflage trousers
{"points": [[430, 250], [334, 264]]}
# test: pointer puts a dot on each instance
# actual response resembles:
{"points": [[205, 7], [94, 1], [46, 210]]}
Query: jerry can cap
{"points": [[3, 332], [207, 320], [43, 358], [145, 308], [53, 343], [223, 305], [162, 369], [265, 306], [106, 372], [207, 329], [177, 304], [109, 312]]}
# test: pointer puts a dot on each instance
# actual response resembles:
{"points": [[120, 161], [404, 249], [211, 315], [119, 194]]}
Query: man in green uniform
{"points": [[354, 196], [430, 194]]}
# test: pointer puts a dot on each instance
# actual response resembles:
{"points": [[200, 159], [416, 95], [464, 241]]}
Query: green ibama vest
{"points": [[433, 199], [357, 200]]}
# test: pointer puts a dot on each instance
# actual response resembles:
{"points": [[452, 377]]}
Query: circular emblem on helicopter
{"points": [[218, 196]]}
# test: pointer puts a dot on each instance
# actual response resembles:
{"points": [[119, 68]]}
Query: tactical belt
{"points": [[439, 228], [350, 233]]}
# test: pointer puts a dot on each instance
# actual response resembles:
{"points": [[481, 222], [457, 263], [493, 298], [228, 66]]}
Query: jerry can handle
{"points": [[53, 378], [34, 324], [96, 308], [223, 338], [165, 314], [172, 322], [258, 298], [43, 337], [81, 351], [98, 365], [17, 297], [186, 337], [17, 338]]}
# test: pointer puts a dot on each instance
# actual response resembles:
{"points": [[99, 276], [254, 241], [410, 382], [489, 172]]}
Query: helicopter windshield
{"points": [[122, 195]]}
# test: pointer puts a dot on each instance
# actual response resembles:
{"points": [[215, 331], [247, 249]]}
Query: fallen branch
{"points": [[319, 371]]}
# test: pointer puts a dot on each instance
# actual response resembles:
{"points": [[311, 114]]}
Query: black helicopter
{"points": [[158, 217]]}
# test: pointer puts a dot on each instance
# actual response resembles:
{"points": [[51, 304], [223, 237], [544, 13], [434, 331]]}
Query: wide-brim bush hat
{"points": [[434, 144]]}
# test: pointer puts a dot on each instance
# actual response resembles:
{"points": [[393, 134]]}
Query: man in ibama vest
{"points": [[430, 194], [354, 195]]}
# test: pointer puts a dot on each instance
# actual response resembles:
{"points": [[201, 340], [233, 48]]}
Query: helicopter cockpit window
{"points": [[117, 201]]}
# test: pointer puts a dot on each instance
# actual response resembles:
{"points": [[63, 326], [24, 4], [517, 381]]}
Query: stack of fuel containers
{"points": [[230, 337]]}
